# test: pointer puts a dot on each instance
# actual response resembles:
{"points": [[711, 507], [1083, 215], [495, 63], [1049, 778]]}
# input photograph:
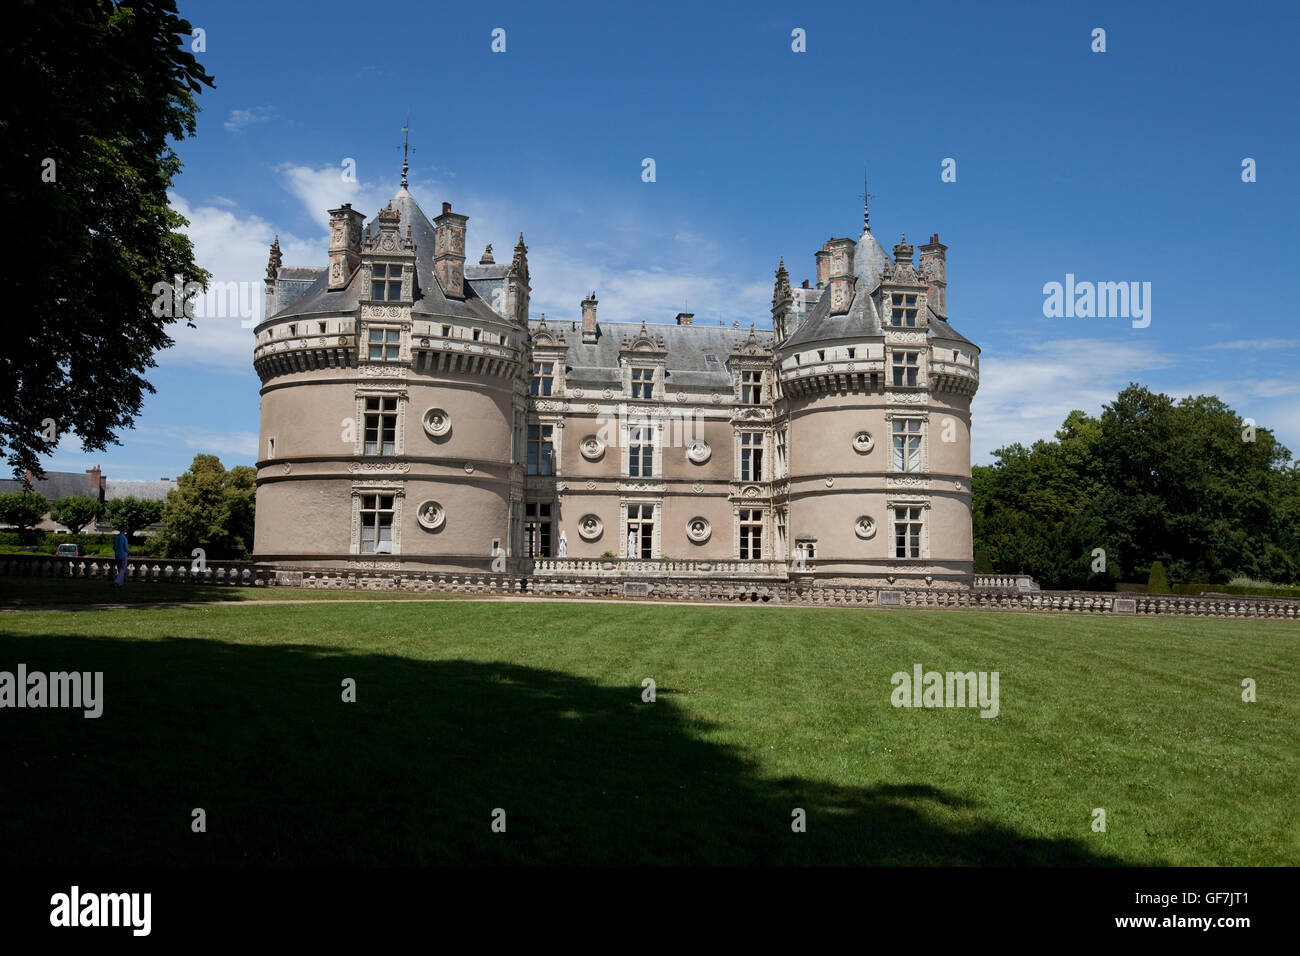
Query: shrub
{"points": [[1157, 583]]}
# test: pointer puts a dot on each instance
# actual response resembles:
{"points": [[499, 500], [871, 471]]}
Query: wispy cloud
{"points": [[1252, 344], [240, 120]]}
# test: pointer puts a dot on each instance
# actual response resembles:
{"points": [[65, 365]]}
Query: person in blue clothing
{"points": [[121, 548]]}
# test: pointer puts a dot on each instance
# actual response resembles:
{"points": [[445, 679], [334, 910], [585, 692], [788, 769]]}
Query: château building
{"points": [[415, 417]]}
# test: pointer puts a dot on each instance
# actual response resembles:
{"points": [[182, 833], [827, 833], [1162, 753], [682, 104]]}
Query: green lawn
{"points": [[536, 708]]}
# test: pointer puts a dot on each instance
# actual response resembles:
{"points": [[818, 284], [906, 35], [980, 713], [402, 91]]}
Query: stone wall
{"points": [[154, 570]]}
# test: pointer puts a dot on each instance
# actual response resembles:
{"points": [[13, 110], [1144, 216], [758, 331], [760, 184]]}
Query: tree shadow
{"points": [[287, 773]]}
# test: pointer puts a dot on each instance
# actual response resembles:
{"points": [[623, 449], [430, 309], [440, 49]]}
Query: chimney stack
{"points": [[934, 271], [345, 245], [96, 481], [823, 267], [449, 252], [839, 266], [685, 318], [589, 319]]}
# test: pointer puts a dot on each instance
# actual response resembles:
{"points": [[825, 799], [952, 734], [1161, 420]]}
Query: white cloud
{"points": [[1025, 396], [240, 120], [1253, 344], [234, 250]]}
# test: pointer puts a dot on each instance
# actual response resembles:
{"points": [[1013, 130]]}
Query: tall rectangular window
{"points": [[543, 378], [537, 529], [751, 388], [381, 426], [903, 311], [376, 524], [751, 534], [640, 451], [751, 456], [385, 282], [643, 383], [906, 367], [641, 531], [541, 450], [907, 444], [385, 345], [907, 532]]}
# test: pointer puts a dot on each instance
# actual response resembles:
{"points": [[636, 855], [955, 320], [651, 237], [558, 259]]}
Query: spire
{"points": [[406, 143], [866, 196]]}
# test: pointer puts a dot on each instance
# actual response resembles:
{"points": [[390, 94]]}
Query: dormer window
{"points": [[903, 314], [643, 383], [293, 330], [751, 388], [386, 282], [385, 345]]}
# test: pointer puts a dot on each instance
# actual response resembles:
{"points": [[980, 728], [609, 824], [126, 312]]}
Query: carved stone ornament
{"points": [[698, 451], [863, 442], [830, 482], [469, 468], [592, 448], [590, 528], [864, 527], [698, 529], [437, 422], [367, 466], [431, 515]]}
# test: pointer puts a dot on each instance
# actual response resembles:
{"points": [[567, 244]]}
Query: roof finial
{"points": [[866, 196], [406, 143]]}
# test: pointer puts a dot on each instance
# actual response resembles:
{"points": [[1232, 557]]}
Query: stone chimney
{"points": [[95, 480], [589, 328], [823, 267], [685, 318], [449, 252], [805, 284], [934, 271], [345, 245], [840, 273]]}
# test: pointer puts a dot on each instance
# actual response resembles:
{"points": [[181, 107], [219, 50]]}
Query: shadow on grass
{"points": [[287, 773]]}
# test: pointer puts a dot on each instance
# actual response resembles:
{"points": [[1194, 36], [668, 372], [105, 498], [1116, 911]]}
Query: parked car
{"points": [[29, 550], [69, 551]]}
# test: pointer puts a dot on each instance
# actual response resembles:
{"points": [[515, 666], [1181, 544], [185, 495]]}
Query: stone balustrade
{"points": [[672, 567], [721, 582], [153, 570]]}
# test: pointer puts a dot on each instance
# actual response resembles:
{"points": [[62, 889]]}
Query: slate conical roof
{"points": [[429, 298]]}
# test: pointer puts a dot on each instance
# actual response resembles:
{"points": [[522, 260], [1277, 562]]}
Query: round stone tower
{"points": [[391, 401], [877, 388]]}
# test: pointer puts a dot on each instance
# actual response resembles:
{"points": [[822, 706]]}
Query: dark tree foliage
{"points": [[24, 510], [1187, 484], [102, 90]]}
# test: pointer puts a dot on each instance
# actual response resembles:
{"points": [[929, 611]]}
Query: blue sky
{"points": [[1117, 166]]}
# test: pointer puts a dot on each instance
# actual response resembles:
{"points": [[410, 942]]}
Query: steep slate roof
{"points": [[687, 345], [429, 299], [863, 318], [55, 486]]}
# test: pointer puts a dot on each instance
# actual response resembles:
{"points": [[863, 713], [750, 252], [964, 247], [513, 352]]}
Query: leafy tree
{"points": [[86, 160], [129, 515], [76, 511], [24, 510], [1182, 483], [211, 508]]}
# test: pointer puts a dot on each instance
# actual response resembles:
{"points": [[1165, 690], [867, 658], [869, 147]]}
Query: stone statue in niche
{"points": [[564, 545]]}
